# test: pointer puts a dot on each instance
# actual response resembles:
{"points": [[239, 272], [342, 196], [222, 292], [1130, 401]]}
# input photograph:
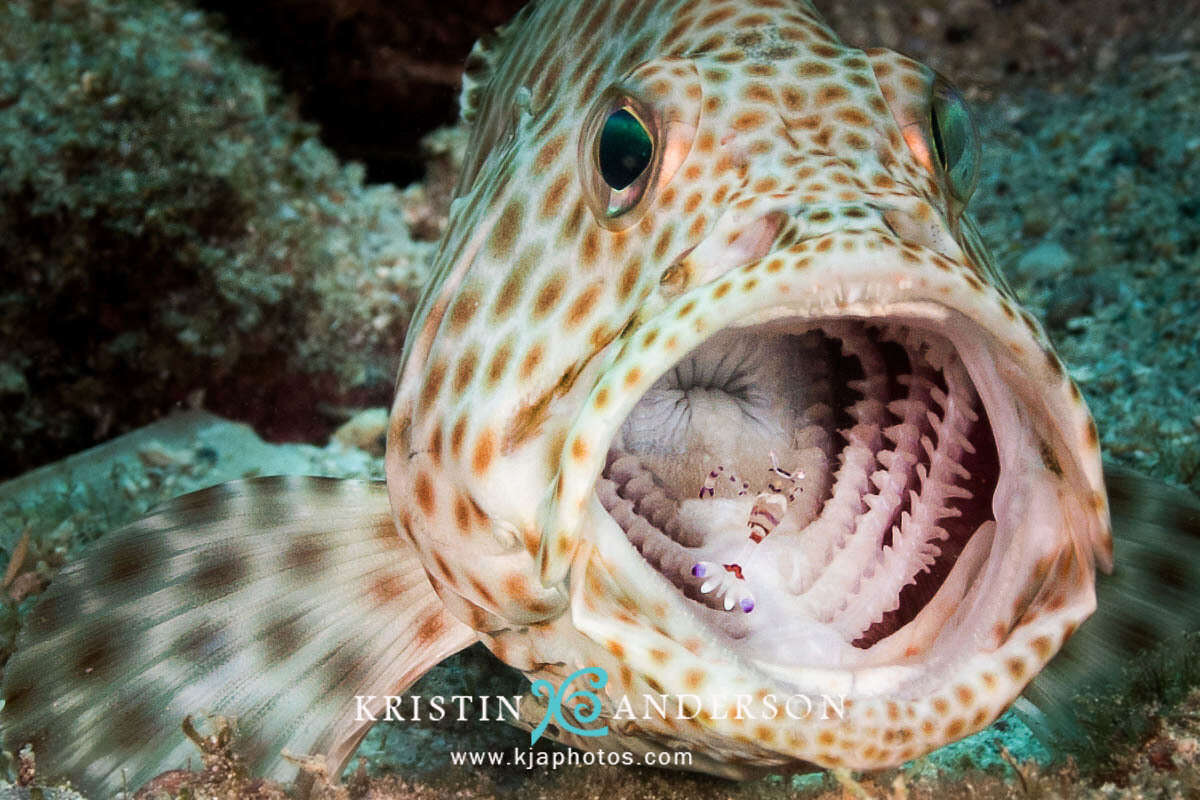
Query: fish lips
{"points": [[1018, 588]]}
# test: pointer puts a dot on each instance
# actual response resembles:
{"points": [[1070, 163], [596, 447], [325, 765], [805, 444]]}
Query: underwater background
{"points": [[228, 208]]}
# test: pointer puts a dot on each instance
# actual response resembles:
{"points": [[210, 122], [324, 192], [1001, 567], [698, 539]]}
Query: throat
{"points": [[732, 402]]}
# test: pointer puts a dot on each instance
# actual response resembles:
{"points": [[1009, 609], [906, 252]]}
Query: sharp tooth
{"points": [[958, 469], [963, 442], [868, 386], [917, 382], [951, 490], [881, 479], [896, 459], [904, 434], [927, 444], [866, 410], [906, 407]]}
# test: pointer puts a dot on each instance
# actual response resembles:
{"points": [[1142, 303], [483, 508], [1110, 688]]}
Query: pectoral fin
{"points": [[1151, 598], [273, 601]]}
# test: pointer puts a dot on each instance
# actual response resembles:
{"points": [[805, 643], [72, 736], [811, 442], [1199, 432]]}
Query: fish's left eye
{"points": [[955, 141]]}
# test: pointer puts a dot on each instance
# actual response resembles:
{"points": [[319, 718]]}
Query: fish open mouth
{"points": [[822, 493]]}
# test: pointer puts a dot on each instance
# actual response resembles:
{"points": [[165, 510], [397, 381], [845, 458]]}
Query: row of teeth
{"points": [[865, 574], [649, 517], [839, 571]]}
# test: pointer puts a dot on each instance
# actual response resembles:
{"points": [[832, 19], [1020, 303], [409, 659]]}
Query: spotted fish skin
{"points": [[792, 177]]}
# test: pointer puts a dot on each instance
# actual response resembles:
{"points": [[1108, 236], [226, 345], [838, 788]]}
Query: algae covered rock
{"points": [[171, 233]]}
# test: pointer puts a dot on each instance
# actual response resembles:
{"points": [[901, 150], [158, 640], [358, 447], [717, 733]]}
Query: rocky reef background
{"points": [[173, 233], [231, 206]]}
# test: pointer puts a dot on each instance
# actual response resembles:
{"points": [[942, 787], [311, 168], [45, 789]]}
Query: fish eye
{"points": [[955, 141], [621, 146], [630, 145], [624, 150]]}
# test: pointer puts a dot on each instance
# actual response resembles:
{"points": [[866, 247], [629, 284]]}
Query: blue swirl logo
{"points": [[584, 704]]}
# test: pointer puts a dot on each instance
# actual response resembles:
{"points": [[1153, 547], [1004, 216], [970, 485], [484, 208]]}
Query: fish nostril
{"points": [[734, 244], [923, 226], [678, 276], [758, 238]]}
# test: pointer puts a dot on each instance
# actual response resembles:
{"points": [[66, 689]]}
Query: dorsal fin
{"points": [[480, 67]]}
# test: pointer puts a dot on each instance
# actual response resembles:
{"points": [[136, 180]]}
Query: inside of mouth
{"points": [[809, 486]]}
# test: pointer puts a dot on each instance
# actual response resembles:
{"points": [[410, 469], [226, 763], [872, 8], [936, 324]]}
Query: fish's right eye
{"points": [[624, 150], [621, 142], [955, 140], [634, 139]]}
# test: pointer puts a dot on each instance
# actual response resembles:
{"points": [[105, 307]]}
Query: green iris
{"points": [[954, 140], [625, 149]]}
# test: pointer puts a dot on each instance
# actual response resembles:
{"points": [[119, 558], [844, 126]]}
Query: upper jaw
{"points": [[862, 275], [1031, 572]]}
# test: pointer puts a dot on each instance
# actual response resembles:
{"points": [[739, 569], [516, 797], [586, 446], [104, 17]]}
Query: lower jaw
{"points": [[886, 533]]}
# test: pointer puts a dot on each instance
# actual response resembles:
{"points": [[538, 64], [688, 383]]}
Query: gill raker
{"points": [[714, 386]]}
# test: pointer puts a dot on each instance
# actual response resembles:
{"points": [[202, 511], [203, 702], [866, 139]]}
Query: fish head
{"points": [[711, 323]]}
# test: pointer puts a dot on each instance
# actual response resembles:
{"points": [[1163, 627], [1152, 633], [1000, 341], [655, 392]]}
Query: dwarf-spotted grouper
{"points": [[714, 387]]}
